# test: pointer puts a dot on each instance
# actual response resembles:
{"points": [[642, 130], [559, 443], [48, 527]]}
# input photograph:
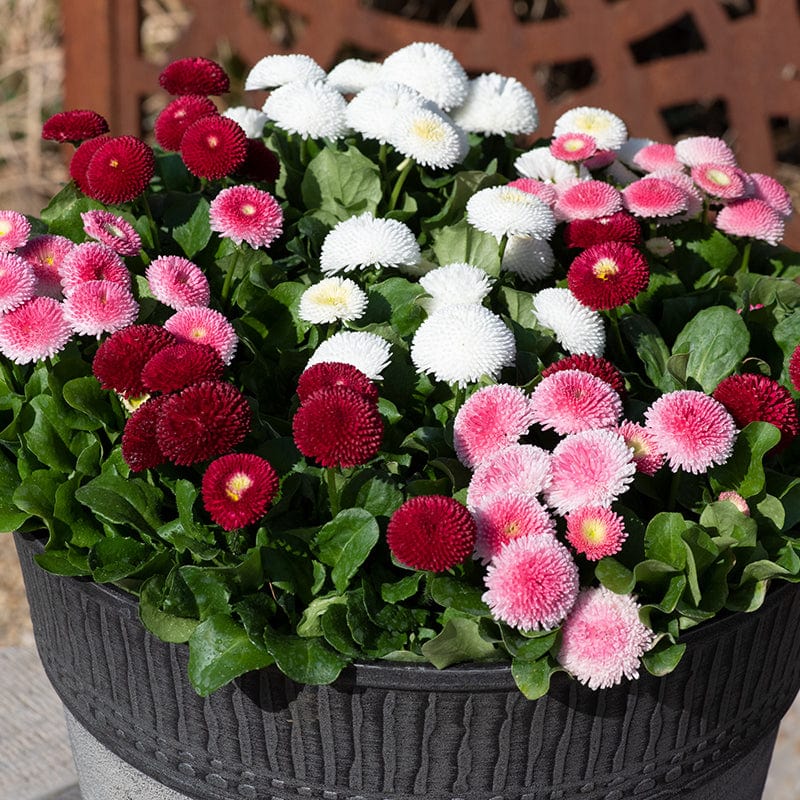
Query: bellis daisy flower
{"points": [[455, 284], [35, 330], [497, 105], [516, 469], [366, 351], [17, 281], [177, 282], [332, 299], [588, 200], [530, 258], [113, 231], [595, 532], [354, 74], [608, 275], [428, 137], [97, 307], [310, 109], [15, 229], [276, 70], [607, 129], [246, 214], [374, 110], [251, 120], [576, 327], [204, 326], [540, 164], [752, 218], [503, 211]]}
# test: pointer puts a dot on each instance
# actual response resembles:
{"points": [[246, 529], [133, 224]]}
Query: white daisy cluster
{"points": [[577, 328], [419, 100]]}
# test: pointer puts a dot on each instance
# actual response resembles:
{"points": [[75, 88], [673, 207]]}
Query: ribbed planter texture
{"points": [[396, 732]]}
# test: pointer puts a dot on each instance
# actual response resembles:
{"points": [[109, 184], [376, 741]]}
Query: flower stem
{"points": [[746, 256], [503, 245], [151, 218], [226, 286], [404, 169], [674, 488], [333, 493], [613, 315]]}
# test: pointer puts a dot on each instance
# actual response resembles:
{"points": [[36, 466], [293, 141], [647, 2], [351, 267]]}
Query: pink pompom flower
{"points": [[97, 307], [546, 192], [587, 200], [177, 282], [646, 455], [532, 583], [657, 156], [590, 468], [505, 517], [595, 532], [112, 231], [737, 500], [602, 639], [92, 261], [693, 430], [247, 214], [696, 150], [573, 146], [721, 180], [654, 197], [204, 326], [17, 281], [37, 329], [608, 275], [766, 188], [518, 469], [14, 230], [491, 419], [47, 254], [595, 365], [752, 218], [569, 401]]}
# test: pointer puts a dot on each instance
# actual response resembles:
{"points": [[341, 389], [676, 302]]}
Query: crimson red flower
{"points": [[177, 116], [794, 368], [80, 161], [202, 421], [751, 398], [213, 147], [238, 489], [74, 126], [180, 365], [120, 170], [338, 428], [194, 76], [431, 532], [140, 447], [120, 359], [594, 365], [619, 227], [608, 275], [335, 373], [260, 163]]}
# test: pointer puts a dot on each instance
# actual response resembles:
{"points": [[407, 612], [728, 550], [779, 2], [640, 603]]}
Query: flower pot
{"points": [[400, 731]]}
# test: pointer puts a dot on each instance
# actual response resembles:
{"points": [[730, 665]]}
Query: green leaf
{"points": [[211, 589], [116, 557], [463, 243], [532, 677], [717, 340], [647, 343], [614, 575], [36, 494], [743, 472], [123, 501], [63, 213], [396, 301], [168, 627], [452, 593], [372, 491], [717, 250], [310, 624], [85, 395], [309, 661], [194, 234], [533, 649], [336, 630], [219, 651], [345, 542], [60, 562], [663, 658], [46, 440], [402, 589], [663, 539], [459, 641]]}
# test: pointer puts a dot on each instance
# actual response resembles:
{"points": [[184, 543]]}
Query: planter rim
{"points": [[487, 676]]}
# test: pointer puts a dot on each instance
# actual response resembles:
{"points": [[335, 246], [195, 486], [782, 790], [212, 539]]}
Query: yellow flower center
{"points": [[212, 141], [428, 129], [639, 447], [237, 485], [198, 333], [594, 530], [512, 529], [248, 209], [605, 268], [5, 227], [573, 145], [719, 177], [113, 163]]}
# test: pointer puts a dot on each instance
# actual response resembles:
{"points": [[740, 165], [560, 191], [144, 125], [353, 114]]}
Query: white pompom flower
{"points": [[353, 74], [365, 351], [428, 137], [250, 120], [497, 105], [507, 211], [273, 71], [530, 258], [430, 69], [541, 165], [373, 111], [607, 129], [577, 328], [368, 241], [308, 108], [455, 284], [462, 344], [332, 300]]}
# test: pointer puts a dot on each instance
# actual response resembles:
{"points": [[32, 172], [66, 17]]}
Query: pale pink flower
{"points": [[646, 455], [506, 517], [246, 214], [572, 400], [46, 254], [704, 150], [573, 146], [601, 159], [693, 430], [518, 469], [602, 639], [491, 419], [35, 330], [657, 156], [737, 500], [14, 230], [92, 261], [753, 218], [766, 188], [587, 200], [545, 191], [595, 532], [17, 281], [590, 468], [694, 200], [113, 231], [532, 583], [97, 307], [654, 197], [177, 282], [204, 326], [721, 180]]}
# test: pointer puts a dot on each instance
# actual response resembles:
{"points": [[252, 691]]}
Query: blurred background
{"points": [[669, 68]]}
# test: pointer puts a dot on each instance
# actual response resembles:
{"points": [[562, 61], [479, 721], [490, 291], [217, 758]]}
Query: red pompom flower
{"points": [[595, 365], [213, 147], [619, 227], [74, 126], [202, 421], [335, 373], [431, 532], [194, 76], [608, 275], [120, 170], [238, 489], [794, 368], [177, 116], [180, 365], [81, 159], [140, 447]]}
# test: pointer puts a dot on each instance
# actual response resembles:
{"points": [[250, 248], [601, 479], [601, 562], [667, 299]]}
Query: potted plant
{"points": [[466, 465]]}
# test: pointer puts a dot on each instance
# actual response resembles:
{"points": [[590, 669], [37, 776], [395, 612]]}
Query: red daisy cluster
{"points": [[338, 423], [194, 76], [213, 147], [608, 275], [619, 227], [177, 116], [74, 126]]}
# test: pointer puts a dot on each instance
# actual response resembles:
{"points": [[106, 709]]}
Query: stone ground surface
{"points": [[35, 758]]}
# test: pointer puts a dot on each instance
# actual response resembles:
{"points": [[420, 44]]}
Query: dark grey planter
{"points": [[397, 732]]}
